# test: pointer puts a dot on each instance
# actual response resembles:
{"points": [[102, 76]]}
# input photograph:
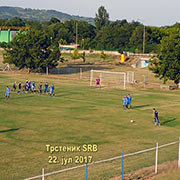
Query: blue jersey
{"points": [[29, 84], [46, 86], [52, 89], [129, 98], [33, 84], [7, 91], [125, 100]]}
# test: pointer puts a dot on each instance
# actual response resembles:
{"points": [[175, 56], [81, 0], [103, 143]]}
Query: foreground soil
{"points": [[166, 171]]}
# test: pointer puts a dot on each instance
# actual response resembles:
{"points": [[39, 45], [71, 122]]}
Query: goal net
{"points": [[108, 78]]}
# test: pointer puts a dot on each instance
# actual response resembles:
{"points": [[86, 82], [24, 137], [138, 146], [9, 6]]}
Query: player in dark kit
{"points": [[40, 88], [19, 87], [14, 86], [156, 117]]}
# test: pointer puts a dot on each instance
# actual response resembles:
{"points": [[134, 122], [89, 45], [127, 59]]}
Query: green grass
{"points": [[79, 115]]}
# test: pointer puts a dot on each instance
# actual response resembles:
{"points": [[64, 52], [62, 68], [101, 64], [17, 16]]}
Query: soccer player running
{"points": [[52, 90], [129, 98], [7, 95], [156, 117], [98, 82], [125, 102]]}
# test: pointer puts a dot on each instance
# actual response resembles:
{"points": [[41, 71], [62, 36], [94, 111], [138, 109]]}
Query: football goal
{"points": [[108, 78]]}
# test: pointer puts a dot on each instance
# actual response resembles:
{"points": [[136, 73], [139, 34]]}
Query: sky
{"points": [[148, 12]]}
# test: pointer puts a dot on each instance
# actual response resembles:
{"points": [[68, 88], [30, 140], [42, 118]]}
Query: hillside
{"points": [[36, 14]]}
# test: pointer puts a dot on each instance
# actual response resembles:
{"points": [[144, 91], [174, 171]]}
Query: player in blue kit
{"points": [[125, 102], [129, 99], [156, 117], [46, 88], [33, 87], [29, 86], [7, 95], [52, 90]]}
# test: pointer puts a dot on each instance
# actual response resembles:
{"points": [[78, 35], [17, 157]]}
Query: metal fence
{"points": [[122, 165]]}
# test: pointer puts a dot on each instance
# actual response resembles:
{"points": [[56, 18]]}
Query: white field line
{"points": [[103, 161]]}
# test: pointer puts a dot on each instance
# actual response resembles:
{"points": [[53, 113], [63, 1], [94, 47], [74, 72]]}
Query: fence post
{"points": [[179, 154], [87, 171], [91, 77], [46, 70], [69, 71], [42, 173], [80, 73], [58, 70], [122, 165], [156, 160]]}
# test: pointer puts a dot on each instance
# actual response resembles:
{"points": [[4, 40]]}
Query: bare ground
{"points": [[148, 172]]}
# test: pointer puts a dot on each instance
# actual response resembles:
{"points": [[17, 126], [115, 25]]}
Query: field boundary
{"points": [[113, 158]]}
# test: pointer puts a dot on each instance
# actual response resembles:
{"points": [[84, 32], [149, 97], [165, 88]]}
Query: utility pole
{"points": [[144, 38], [76, 33], [144, 35]]}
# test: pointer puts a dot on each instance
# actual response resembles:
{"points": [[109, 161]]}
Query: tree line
{"points": [[119, 35], [37, 48]]}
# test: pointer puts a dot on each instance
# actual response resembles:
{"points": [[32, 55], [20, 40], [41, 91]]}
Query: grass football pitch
{"points": [[78, 115]]}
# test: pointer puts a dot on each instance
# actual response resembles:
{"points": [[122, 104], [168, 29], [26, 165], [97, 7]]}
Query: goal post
{"points": [[130, 77], [107, 77]]}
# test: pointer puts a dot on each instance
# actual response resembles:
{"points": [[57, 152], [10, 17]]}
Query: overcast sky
{"points": [[149, 12]]}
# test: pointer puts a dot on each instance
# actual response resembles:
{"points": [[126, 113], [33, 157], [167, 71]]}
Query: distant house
{"points": [[7, 33], [141, 63], [69, 47]]}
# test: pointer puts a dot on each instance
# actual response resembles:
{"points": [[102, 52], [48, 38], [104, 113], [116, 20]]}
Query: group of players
{"points": [[29, 87], [127, 102]]}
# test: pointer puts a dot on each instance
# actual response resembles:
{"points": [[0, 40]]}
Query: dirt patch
{"points": [[148, 172]]}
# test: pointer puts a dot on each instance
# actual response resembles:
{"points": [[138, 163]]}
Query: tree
{"points": [[102, 18], [32, 50], [83, 56], [103, 55], [54, 20], [75, 54], [15, 22], [167, 64]]}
